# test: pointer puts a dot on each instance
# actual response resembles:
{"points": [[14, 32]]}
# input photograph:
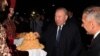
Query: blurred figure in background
{"points": [[7, 8], [36, 23], [70, 14]]}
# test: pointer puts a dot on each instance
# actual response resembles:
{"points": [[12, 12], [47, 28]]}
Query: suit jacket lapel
{"points": [[96, 40]]}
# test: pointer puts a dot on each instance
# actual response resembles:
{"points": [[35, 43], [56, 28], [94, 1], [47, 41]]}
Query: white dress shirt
{"points": [[96, 34]]}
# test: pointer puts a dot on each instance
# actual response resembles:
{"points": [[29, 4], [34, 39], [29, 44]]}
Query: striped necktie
{"points": [[58, 34]]}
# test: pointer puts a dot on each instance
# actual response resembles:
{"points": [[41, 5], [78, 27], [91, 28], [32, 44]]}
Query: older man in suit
{"points": [[62, 38], [91, 23]]}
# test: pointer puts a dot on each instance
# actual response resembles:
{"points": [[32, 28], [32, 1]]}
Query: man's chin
{"points": [[88, 33]]}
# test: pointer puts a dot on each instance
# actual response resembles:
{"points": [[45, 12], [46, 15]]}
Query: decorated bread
{"points": [[30, 41]]}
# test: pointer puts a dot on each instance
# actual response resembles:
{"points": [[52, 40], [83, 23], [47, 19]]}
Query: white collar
{"points": [[60, 26], [96, 34]]}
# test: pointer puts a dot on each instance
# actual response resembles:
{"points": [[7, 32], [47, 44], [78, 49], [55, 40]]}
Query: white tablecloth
{"points": [[18, 42], [37, 52]]}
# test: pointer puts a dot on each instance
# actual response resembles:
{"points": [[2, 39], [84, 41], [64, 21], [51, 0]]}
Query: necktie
{"points": [[58, 34]]}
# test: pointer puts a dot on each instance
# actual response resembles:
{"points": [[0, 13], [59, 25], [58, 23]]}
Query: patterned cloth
{"points": [[4, 49], [10, 30]]}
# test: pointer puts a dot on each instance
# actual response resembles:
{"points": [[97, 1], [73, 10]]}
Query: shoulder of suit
{"points": [[71, 23]]}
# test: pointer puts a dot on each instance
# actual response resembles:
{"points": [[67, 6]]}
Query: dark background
{"points": [[47, 8]]}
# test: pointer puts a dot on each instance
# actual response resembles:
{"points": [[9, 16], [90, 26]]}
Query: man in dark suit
{"points": [[91, 23], [62, 38]]}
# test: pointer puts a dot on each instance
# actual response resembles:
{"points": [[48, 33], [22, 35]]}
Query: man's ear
{"points": [[93, 23], [66, 17]]}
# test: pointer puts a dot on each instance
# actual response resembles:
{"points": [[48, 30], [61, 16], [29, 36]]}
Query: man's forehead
{"points": [[60, 11], [84, 16]]}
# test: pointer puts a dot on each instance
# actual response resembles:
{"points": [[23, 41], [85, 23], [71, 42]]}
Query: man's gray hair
{"points": [[64, 9], [93, 12]]}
